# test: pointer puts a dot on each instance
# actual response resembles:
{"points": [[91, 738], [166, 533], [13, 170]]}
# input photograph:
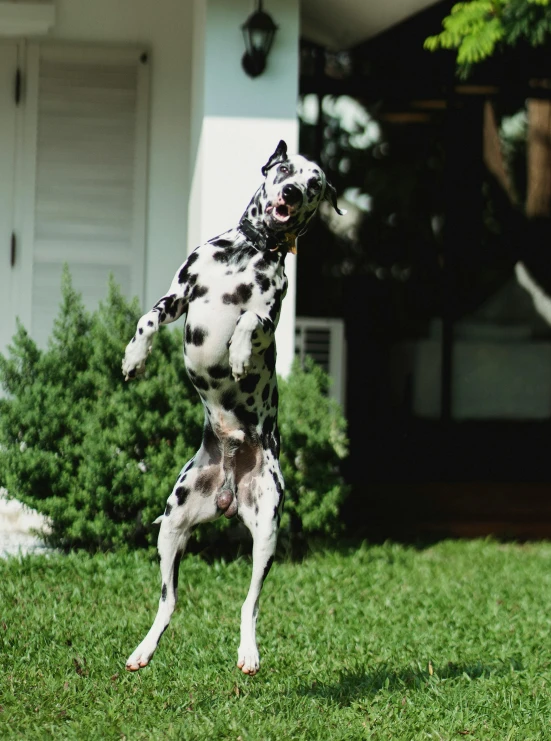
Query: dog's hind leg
{"points": [[260, 510], [193, 500]]}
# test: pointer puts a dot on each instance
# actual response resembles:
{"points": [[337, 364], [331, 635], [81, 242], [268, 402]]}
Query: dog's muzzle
{"points": [[292, 195], [286, 204]]}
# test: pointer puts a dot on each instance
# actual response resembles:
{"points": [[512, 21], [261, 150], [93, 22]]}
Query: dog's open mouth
{"points": [[281, 212]]}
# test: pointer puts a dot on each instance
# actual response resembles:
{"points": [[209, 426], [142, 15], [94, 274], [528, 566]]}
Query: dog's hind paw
{"points": [[248, 660], [139, 659]]}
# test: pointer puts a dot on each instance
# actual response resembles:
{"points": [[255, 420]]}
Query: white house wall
{"points": [[207, 144], [237, 123], [164, 27]]}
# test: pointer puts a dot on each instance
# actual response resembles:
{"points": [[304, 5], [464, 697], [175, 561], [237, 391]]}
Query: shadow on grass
{"points": [[364, 684]]}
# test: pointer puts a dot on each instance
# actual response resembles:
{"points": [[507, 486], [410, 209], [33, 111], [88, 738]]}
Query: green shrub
{"points": [[99, 456], [313, 442]]}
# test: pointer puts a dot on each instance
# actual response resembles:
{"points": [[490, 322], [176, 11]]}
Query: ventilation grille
{"points": [[323, 340]]}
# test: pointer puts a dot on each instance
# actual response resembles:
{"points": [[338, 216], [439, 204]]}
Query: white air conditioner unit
{"points": [[24, 18], [324, 341]]}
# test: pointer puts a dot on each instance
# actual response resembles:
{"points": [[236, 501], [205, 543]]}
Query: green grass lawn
{"points": [[383, 642]]}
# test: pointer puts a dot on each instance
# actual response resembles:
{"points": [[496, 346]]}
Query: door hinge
{"points": [[13, 249], [17, 86]]}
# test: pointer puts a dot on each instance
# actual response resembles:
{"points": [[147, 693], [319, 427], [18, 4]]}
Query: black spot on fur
{"points": [[200, 382], [163, 593], [168, 510], [171, 305], [270, 358], [241, 295], [250, 401], [150, 323], [176, 571], [262, 281], [268, 426], [277, 484], [228, 399], [267, 568], [245, 416], [184, 272], [249, 383], [195, 336], [275, 307], [221, 242], [265, 392], [182, 493], [275, 397], [198, 292], [218, 371]]}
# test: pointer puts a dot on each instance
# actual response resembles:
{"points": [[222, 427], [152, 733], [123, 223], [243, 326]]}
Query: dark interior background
{"points": [[449, 363]]}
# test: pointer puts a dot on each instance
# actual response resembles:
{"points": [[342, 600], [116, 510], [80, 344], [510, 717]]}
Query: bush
{"points": [[99, 456]]}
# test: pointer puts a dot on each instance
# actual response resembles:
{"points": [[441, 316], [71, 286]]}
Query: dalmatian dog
{"points": [[230, 289]]}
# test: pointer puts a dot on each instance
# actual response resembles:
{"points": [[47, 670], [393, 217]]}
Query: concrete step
{"points": [[17, 525]]}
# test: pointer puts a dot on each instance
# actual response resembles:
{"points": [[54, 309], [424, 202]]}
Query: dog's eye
{"points": [[283, 169], [314, 185]]}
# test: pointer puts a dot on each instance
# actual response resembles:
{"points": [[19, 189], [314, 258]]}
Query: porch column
{"points": [[237, 123]]}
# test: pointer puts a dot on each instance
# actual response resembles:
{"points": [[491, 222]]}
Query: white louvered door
{"points": [[90, 174]]}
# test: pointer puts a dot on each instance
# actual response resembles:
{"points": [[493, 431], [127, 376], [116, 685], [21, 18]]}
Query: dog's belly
{"points": [[241, 406], [208, 331]]}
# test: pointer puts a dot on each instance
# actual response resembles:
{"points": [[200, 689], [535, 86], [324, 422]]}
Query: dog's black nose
{"points": [[291, 194]]}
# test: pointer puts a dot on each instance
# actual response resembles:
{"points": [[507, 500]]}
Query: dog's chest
{"points": [[242, 278], [225, 283]]}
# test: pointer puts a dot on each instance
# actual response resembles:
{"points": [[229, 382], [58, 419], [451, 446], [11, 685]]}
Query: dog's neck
{"points": [[252, 226], [262, 238]]}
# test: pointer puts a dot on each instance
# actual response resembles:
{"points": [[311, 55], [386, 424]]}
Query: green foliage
{"points": [[99, 456], [477, 28], [313, 433]]}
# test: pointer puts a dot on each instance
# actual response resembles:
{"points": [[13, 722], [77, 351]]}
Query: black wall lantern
{"points": [[258, 32]]}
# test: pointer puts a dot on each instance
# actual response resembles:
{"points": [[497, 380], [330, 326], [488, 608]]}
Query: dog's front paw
{"points": [[133, 363], [248, 659], [240, 355]]}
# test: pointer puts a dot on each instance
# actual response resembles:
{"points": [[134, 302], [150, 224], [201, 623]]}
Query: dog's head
{"points": [[293, 190]]}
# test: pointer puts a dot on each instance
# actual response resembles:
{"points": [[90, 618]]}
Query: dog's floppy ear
{"points": [[278, 156], [331, 196]]}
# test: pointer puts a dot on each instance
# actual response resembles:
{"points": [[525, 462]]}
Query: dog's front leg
{"points": [[248, 325], [167, 309]]}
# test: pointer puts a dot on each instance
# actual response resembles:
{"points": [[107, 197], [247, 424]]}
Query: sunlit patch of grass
{"points": [[375, 642]]}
